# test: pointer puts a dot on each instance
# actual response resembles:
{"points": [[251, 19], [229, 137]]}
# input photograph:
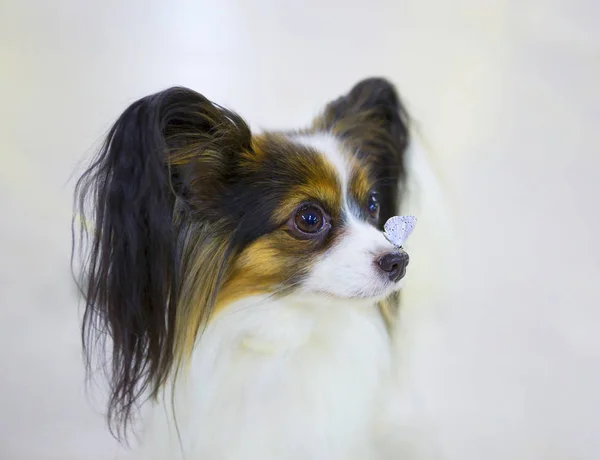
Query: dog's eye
{"points": [[309, 221], [373, 206]]}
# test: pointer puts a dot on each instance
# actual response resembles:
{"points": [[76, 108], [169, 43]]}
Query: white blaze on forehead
{"points": [[333, 152]]}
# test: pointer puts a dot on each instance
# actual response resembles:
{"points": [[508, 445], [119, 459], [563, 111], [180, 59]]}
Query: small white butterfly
{"points": [[398, 228]]}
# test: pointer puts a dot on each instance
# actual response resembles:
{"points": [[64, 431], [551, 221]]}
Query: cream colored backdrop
{"points": [[506, 365]]}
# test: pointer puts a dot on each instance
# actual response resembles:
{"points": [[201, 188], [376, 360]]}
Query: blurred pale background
{"points": [[507, 98]]}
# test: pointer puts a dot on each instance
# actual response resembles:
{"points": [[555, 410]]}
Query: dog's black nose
{"points": [[394, 264]]}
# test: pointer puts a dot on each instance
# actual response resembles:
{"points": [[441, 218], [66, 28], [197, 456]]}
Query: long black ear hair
{"points": [[161, 163], [373, 119]]}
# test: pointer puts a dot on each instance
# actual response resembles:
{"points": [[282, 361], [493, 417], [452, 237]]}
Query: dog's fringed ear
{"points": [[167, 152], [373, 121]]}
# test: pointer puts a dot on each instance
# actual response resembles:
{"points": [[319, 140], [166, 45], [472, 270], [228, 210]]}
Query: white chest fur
{"points": [[279, 380]]}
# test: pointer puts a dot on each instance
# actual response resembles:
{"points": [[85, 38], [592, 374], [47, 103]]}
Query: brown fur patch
{"points": [[264, 267], [361, 181]]}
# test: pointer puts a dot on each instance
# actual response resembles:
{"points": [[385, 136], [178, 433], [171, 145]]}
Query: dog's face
{"points": [[193, 212], [315, 208], [303, 210]]}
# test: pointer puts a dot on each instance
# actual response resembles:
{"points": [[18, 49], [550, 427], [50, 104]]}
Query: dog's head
{"points": [[193, 212]]}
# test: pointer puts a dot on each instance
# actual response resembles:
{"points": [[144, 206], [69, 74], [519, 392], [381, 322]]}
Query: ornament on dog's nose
{"points": [[398, 228]]}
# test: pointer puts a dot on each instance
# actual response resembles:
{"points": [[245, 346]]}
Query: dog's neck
{"points": [[267, 324]]}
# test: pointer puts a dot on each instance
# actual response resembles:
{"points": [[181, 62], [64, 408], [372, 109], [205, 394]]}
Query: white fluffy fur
{"points": [[302, 377], [293, 379]]}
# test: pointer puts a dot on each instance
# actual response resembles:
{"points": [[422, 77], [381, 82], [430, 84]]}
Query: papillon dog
{"points": [[241, 283]]}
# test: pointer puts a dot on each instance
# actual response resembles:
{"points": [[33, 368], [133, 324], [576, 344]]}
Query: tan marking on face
{"points": [[326, 195], [266, 267], [361, 181]]}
